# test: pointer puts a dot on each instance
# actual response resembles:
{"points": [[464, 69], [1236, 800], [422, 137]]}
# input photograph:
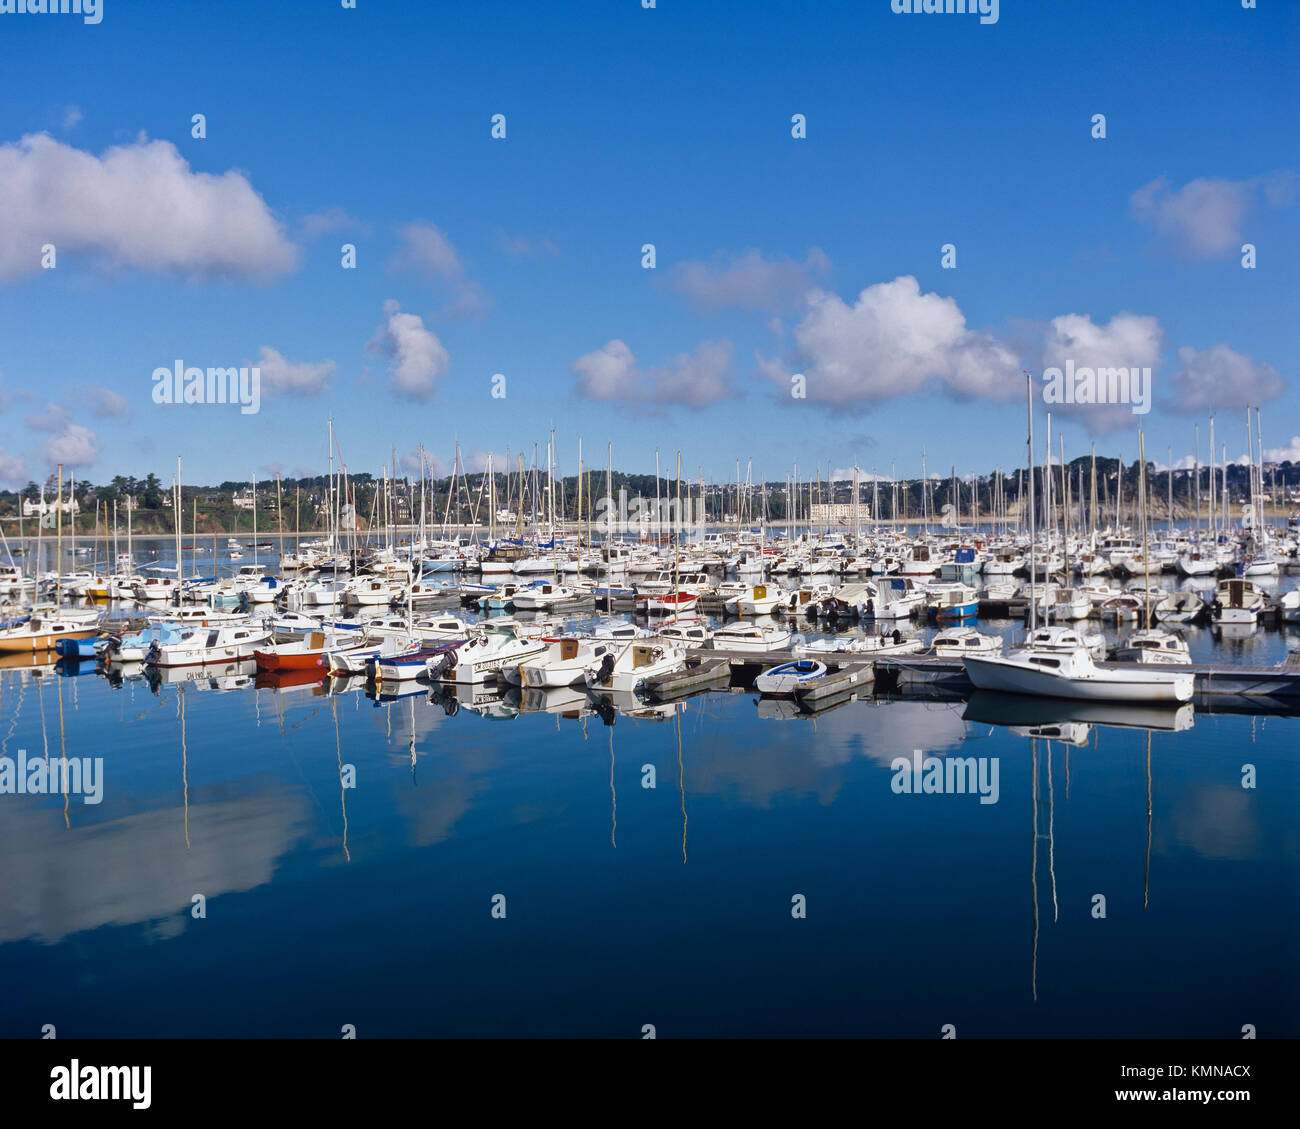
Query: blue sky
{"points": [[626, 126]]}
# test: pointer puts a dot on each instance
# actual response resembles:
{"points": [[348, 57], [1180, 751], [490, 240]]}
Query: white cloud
{"points": [[610, 374], [304, 378], [749, 281], [525, 246], [409, 464], [74, 446], [138, 205], [1126, 341], [425, 250], [104, 402], [1205, 218], [13, 470], [416, 356], [50, 418], [1218, 377], [893, 341], [71, 116], [1288, 454], [476, 463], [845, 474], [329, 220]]}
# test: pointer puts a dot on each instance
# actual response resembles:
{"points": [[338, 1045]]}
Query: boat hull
{"points": [[989, 672]]}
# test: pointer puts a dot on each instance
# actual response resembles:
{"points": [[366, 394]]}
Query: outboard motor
{"points": [[151, 655], [444, 664], [604, 672]]}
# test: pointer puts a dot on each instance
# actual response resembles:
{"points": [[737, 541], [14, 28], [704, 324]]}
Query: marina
{"points": [[537, 526]]}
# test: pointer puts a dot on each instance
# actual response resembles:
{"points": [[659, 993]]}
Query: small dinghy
{"points": [[79, 648], [784, 680]]}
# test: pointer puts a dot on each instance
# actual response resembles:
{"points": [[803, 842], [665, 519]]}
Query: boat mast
{"points": [[1142, 503], [1033, 596]]}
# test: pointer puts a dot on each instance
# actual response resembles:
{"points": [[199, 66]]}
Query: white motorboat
{"points": [[1154, 646], [1062, 667], [751, 637], [543, 595], [1289, 606], [619, 629], [1178, 607], [440, 627], [491, 647], [200, 645], [1237, 602], [565, 662], [755, 599], [693, 632], [954, 642], [636, 661]]}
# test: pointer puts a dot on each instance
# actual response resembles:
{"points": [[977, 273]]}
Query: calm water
{"points": [[627, 905]]}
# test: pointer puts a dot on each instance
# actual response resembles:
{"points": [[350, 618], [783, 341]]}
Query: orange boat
{"points": [[311, 653]]}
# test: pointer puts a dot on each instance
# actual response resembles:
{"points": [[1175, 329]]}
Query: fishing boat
{"points": [[1237, 602], [43, 632], [1064, 668], [784, 680], [629, 667]]}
